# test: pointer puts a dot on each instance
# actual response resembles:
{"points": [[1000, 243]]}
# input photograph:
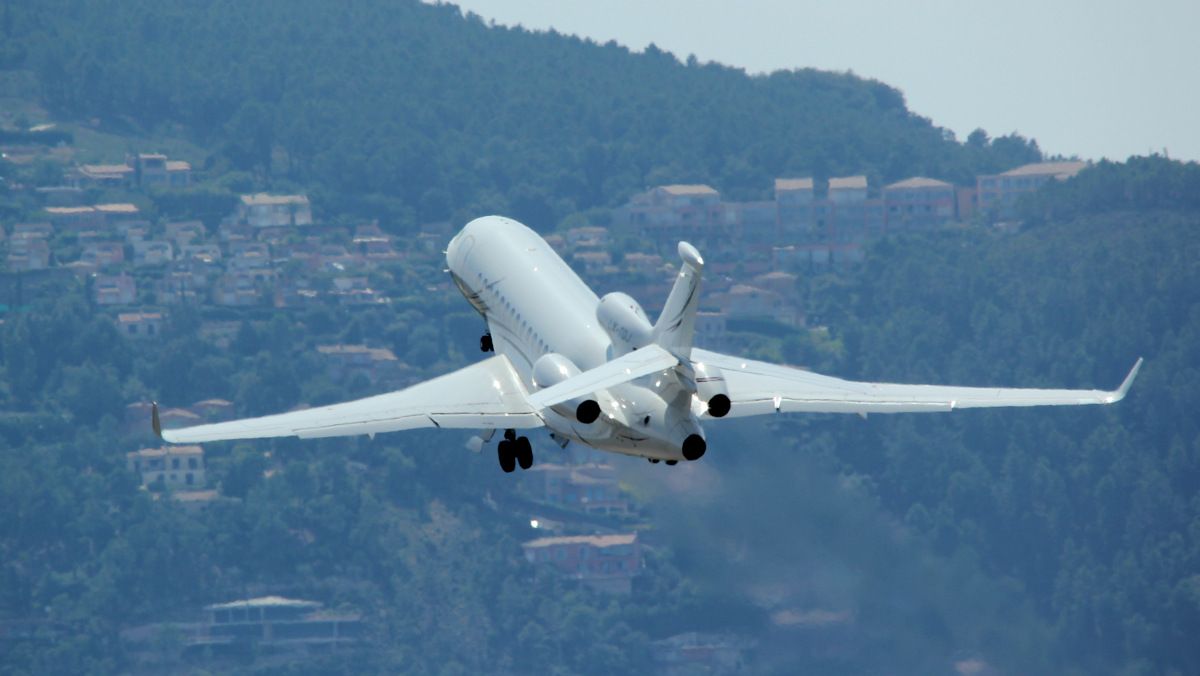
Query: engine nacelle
{"points": [[553, 368], [625, 322], [710, 387]]}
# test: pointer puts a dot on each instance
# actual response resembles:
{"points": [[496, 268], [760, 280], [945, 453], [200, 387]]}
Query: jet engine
{"points": [[553, 368], [710, 387], [625, 322]]}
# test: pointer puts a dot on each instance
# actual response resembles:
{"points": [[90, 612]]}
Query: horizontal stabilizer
{"points": [[623, 369]]}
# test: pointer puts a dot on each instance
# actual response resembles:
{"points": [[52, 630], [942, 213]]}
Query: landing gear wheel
{"points": [[485, 343], [672, 462], [508, 458], [653, 461], [524, 452]]}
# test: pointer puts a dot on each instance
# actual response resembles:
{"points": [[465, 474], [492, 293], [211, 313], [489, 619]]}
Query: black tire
{"points": [[485, 343], [672, 462], [508, 459], [524, 452]]}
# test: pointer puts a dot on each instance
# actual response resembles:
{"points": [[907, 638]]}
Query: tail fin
{"points": [[677, 324]]}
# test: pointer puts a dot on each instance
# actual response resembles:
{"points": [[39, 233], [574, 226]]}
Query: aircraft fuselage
{"points": [[534, 304]]}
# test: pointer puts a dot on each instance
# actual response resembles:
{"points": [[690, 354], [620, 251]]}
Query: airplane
{"points": [[595, 370]]}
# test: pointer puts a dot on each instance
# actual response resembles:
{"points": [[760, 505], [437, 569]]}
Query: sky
{"points": [[1093, 79]]}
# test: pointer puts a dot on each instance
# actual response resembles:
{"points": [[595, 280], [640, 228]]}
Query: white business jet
{"points": [[597, 372]]}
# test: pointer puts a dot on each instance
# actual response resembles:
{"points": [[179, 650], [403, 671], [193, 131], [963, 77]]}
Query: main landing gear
{"points": [[655, 461], [513, 450], [485, 343]]}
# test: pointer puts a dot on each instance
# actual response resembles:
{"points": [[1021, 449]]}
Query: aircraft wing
{"points": [[485, 395], [757, 387]]}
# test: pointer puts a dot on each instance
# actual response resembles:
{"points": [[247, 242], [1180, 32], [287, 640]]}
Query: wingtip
{"points": [[155, 423], [1128, 382]]}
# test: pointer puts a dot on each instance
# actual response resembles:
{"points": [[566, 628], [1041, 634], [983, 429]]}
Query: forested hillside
{"points": [[1026, 541], [413, 112]]}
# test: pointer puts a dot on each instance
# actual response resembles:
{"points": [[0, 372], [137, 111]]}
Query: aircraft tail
{"points": [[676, 326]]}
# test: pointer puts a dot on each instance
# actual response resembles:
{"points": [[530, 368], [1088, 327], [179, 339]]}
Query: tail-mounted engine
{"points": [[710, 387], [552, 369], [625, 322]]}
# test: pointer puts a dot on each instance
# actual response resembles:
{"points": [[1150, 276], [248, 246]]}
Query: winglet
{"points": [[154, 421], [1128, 382]]}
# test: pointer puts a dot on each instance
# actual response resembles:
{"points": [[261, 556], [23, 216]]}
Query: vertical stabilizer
{"points": [[677, 323]]}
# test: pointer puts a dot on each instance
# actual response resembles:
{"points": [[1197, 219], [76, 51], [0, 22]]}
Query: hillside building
{"points": [[273, 211], [919, 203], [606, 563], [998, 193], [169, 466]]}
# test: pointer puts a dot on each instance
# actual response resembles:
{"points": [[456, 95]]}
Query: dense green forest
{"points": [[1042, 541], [414, 113]]}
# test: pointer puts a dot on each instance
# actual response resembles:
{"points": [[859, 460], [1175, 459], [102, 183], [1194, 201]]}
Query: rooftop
{"points": [[377, 353], [119, 208], [593, 540], [165, 451], [918, 182], [130, 317], [848, 183], [263, 199], [688, 189], [793, 184], [264, 602], [1056, 169]]}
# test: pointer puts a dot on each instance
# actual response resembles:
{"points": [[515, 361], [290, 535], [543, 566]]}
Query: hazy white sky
{"points": [[1097, 78]]}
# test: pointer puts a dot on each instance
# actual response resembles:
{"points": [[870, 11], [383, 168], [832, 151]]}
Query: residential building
{"points": [[606, 563], [376, 363], [669, 213], [101, 254], [750, 222], [356, 291], [592, 488], [794, 199], [643, 263], [185, 232], [270, 629], [587, 237], [114, 289], [74, 217], [696, 653], [169, 466], [140, 324], [103, 176], [998, 193], [213, 410], [593, 262], [26, 254], [203, 251], [237, 289], [118, 212], [152, 252], [267, 211], [278, 624], [179, 173], [150, 169], [919, 203], [41, 230]]}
